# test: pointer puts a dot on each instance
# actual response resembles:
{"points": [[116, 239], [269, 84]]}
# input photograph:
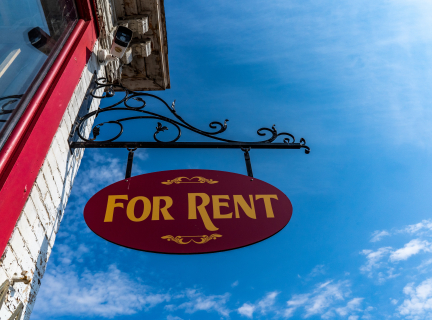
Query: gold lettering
{"points": [[267, 203], [111, 204], [216, 207], [201, 209], [131, 209], [164, 210], [250, 211]]}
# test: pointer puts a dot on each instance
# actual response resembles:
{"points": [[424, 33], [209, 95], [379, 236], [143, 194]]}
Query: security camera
{"points": [[121, 41]]}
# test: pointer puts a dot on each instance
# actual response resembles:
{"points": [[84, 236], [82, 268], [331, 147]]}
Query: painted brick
{"points": [[67, 119], [30, 210], [61, 143], [31, 244], [41, 184], [61, 159], [39, 232], [29, 237], [52, 188], [70, 112], [58, 180], [3, 276], [40, 209], [64, 130], [9, 263], [75, 107], [61, 132], [53, 165], [21, 252]]}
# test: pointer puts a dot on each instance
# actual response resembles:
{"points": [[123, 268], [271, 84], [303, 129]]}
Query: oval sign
{"points": [[188, 211]]}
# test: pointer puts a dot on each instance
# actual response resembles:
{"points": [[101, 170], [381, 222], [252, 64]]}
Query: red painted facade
{"points": [[24, 153]]}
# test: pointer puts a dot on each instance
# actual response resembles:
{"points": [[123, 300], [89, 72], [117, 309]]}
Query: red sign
{"points": [[188, 211]]}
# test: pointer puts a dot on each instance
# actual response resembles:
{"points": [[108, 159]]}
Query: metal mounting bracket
{"points": [[175, 121]]}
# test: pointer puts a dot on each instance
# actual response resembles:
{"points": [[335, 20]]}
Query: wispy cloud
{"points": [[318, 270], [424, 227], [374, 259], [378, 235], [324, 300], [107, 294], [198, 301], [263, 306], [386, 257]]}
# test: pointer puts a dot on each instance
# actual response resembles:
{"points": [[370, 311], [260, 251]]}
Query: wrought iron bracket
{"points": [[129, 162], [140, 113], [248, 161]]}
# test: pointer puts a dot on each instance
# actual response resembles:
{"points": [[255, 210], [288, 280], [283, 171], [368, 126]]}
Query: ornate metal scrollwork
{"points": [[176, 121]]}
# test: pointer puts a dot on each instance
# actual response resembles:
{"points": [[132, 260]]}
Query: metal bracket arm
{"points": [[129, 163], [138, 112]]}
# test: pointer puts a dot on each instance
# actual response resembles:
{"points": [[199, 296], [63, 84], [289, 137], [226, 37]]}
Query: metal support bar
{"points": [[129, 163], [133, 107], [248, 161], [193, 145]]}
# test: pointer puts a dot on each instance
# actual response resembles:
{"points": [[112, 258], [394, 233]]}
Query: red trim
{"points": [[84, 9], [14, 139], [95, 17], [23, 154], [87, 11]]}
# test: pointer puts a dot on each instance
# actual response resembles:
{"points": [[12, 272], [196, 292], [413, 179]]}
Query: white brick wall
{"points": [[31, 243]]}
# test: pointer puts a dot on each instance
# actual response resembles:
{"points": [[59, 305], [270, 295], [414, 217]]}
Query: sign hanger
{"points": [[176, 121]]}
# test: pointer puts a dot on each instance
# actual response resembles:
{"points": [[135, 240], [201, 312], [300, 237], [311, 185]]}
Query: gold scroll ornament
{"points": [[191, 180], [204, 239]]}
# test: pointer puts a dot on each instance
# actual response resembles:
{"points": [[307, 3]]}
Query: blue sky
{"points": [[352, 78]]}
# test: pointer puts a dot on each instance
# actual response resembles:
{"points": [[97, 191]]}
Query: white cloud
{"points": [[267, 302], [107, 294], [419, 304], [200, 302], [411, 248], [375, 259], [263, 306], [353, 305], [246, 310], [170, 317], [235, 284], [378, 235]]}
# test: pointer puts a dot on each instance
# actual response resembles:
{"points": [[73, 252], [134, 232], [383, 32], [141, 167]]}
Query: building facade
{"points": [[48, 64]]}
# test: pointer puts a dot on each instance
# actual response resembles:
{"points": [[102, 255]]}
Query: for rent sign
{"points": [[188, 211]]}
